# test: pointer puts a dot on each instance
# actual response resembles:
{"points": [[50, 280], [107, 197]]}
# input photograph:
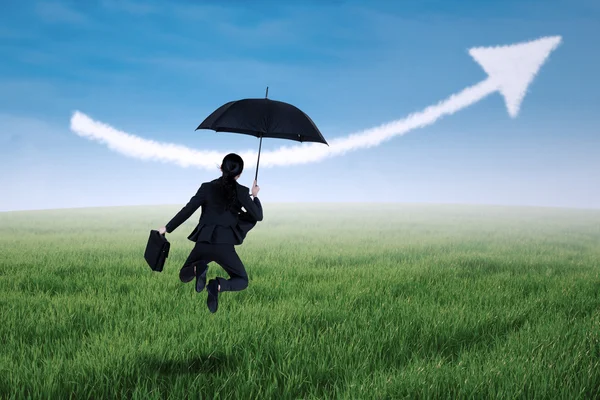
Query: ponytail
{"points": [[229, 190], [232, 166]]}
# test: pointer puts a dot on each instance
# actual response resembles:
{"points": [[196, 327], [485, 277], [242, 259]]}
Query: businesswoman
{"points": [[222, 225]]}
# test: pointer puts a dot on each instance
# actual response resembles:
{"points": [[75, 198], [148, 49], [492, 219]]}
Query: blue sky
{"points": [[157, 69]]}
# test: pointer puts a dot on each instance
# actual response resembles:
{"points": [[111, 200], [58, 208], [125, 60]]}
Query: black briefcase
{"points": [[157, 251]]}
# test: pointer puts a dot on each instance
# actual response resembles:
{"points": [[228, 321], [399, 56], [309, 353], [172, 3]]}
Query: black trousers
{"points": [[224, 255]]}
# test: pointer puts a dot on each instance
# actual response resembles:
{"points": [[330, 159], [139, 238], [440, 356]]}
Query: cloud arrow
{"points": [[510, 69]]}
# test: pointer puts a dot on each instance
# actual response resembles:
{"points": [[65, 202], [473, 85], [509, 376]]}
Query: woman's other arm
{"points": [[252, 206]]}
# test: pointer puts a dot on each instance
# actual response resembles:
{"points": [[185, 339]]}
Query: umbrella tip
{"points": [[267, 93]]}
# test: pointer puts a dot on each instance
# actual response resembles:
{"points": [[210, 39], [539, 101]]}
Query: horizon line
{"points": [[494, 205]]}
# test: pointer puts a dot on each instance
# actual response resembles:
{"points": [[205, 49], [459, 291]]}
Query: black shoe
{"points": [[186, 274], [212, 301], [201, 277]]}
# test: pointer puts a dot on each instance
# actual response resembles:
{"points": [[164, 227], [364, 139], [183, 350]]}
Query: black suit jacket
{"points": [[217, 224]]}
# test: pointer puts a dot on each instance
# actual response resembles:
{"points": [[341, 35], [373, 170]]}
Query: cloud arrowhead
{"points": [[513, 67]]}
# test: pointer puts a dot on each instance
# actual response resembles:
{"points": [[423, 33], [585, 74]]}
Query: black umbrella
{"points": [[263, 118]]}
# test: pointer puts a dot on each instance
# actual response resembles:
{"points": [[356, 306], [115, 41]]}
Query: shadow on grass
{"points": [[201, 364]]}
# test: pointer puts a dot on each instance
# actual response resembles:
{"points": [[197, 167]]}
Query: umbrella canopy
{"points": [[263, 118]]}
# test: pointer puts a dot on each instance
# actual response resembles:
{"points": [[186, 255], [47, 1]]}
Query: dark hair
{"points": [[232, 166]]}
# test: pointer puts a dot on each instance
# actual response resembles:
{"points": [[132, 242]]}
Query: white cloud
{"points": [[511, 69]]}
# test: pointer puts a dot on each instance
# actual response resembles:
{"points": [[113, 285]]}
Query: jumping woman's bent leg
{"points": [[228, 259]]}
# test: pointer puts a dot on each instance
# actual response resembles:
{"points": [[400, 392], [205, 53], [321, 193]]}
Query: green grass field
{"points": [[403, 301]]}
